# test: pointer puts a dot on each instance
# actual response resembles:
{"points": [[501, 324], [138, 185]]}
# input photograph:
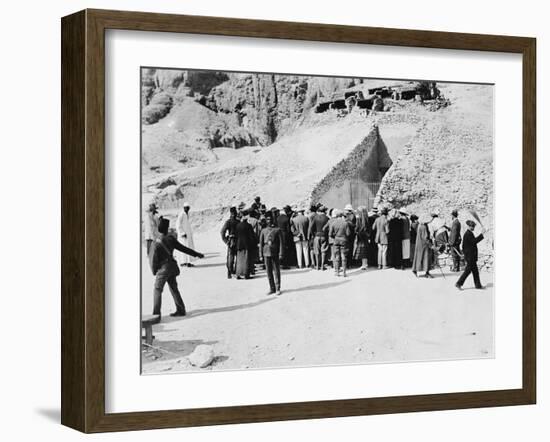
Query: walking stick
{"points": [[441, 270]]}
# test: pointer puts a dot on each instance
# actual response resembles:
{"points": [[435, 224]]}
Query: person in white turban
{"points": [[185, 234]]}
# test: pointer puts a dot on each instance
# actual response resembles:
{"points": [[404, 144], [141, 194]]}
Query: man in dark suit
{"points": [[165, 267], [271, 249], [246, 242], [229, 237], [469, 246], [283, 222], [454, 241]]}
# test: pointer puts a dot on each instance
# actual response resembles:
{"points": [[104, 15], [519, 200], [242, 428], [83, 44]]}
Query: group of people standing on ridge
{"points": [[281, 238]]}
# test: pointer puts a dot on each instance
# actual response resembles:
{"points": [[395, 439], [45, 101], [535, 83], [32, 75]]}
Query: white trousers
{"points": [[406, 248], [302, 248]]}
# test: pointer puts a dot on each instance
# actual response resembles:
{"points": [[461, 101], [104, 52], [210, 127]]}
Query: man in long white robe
{"points": [[185, 235]]}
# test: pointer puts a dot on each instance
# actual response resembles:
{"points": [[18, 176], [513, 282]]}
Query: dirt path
{"points": [[371, 316]]}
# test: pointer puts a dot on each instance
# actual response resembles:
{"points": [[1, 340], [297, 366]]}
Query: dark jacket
{"points": [[351, 219], [395, 230], [246, 240], [283, 222], [469, 246], [454, 237], [271, 242], [229, 232], [161, 258], [317, 224]]}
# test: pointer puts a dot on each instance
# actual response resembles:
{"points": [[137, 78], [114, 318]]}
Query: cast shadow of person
{"points": [[315, 287]]}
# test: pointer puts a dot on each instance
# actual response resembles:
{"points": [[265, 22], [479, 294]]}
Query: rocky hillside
{"points": [[186, 113], [217, 139], [448, 164], [285, 172]]}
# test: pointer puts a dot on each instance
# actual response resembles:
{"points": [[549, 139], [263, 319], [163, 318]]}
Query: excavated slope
{"points": [[449, 163]]}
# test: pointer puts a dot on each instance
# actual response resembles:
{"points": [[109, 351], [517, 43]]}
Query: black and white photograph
{"points": [[294, 220]]}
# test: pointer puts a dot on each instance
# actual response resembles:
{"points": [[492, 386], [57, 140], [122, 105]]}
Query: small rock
{"points": [[202, 356], [165, 368], [291, 358]]}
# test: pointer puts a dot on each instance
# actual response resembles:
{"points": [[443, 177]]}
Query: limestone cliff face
{"points": [[271, 105], [264, 106]]}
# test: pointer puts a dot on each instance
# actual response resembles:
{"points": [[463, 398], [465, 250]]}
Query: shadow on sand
{"points": [[204, 266], [326, 285], [208, 311], [487, 286]]}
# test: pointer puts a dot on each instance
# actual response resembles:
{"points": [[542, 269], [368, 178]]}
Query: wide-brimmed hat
{"points": [[403, 212], [348, 207], [425, 218], [186, 204], [471, 223]]}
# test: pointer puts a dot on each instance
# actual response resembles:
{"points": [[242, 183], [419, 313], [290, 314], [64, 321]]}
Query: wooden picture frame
{"points": [[83, 220]]}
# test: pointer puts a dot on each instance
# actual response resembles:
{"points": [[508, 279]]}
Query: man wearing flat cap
{"points": [[469, 247], [165, 268]]}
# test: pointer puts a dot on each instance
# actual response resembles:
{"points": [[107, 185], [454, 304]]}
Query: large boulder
{"points": [[202, 356]]}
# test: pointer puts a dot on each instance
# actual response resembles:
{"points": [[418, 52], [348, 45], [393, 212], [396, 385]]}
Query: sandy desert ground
{"points": [[374, 316]]}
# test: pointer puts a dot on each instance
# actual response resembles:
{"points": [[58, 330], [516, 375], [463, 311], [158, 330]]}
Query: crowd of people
{"points": [[258, 238], [322, 238]]}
